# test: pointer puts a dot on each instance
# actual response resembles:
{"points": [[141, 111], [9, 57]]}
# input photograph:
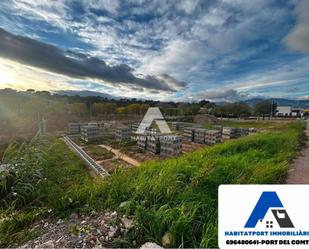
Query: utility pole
{"points": [[271, 109]]}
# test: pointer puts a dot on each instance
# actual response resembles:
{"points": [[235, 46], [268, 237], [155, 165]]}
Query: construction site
{"points": [[112, 145]]}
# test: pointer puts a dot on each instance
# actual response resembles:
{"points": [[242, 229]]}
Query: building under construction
{"points": [[89, 133], [123, 133], [178, 126], [231, 132], [141, 140], [170, 145], [75, 128], [199, 135], [212, 137], [157, 143], [188, 134]]}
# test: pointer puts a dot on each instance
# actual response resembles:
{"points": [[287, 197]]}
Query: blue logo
{"points": [[269, 200]]}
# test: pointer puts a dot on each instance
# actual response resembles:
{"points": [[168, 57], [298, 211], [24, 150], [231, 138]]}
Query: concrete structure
{"points": [[134, 127], [188, 134], [153, 143], [141, 141], [123, 133], [93, 123], [288, 111], [199, 135], [178, 126], [229, 133], [89, 133], [243, 132], [213, 137], [170, 145], [75, 128]]}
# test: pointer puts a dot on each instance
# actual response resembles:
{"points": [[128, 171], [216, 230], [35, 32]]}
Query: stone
{"points": [[168, 239], [150, 245], [73, 216], [112, 232], [127, 223], [48, 244], [123, 204]]}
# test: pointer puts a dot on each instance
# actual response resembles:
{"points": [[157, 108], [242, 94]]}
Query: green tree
{"points": [[265, 107]]}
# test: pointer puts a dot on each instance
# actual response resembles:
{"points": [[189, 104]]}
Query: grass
{"points": [[178, 195], [98, 152], [62, 173]]}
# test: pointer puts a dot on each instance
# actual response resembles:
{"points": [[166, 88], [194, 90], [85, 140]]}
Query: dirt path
{"points": [[124, 157], [299, 173]]}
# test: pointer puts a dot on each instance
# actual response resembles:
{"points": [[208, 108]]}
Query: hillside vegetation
{"points": [[178, 195]]}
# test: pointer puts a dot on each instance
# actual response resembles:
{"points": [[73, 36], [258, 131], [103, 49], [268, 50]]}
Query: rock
{"points": [[123, 204], [112, 232], [150, 245], [45, 225], [90, 239], [127, 223], [73, 216], [59, 221], [168, 239], [48, 244], [114, 214]]}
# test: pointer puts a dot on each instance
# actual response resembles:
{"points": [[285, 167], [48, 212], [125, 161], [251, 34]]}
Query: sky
{"points": [[178, 50]]}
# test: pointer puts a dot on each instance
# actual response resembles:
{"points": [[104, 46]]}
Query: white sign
{"points": [[263, 216], [153, 114]]}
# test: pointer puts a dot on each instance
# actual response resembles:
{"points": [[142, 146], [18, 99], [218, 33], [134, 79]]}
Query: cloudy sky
{"points": [[157, 49]]}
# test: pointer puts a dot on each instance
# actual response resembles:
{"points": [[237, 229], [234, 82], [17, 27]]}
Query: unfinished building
{"points": [[170, 145], [188, 134], [134, 127], [230, 132], [153, 143], [243, 132], [89, 133], [141, 141], [178, 126], [199, 135], [75, 128], [212, 137], [123, 133]]}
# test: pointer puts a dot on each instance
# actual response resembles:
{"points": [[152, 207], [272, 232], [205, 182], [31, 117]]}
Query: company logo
{"points": [[153, 114], [269, 201]]}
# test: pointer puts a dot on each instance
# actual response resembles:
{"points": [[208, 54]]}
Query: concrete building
{"points": [[153, 143], [75, 128], [89, 133], [229, 133], [199, 135], [188, 134], [170, 145], [134, 127], [243, 132], [213, 137], [123, 133], [288, 111], [141, 140], [178, 126]]}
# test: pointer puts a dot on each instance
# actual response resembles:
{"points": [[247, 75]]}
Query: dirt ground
{"points": [[299, 173]]}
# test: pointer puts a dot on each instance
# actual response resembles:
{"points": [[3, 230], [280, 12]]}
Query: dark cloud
{"points": [[298, 38], [38, 54], [169, 79], [223, 95]]}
